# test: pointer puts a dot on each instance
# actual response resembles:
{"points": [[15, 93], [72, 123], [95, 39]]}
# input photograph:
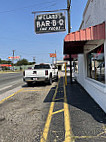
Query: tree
{"points": [[22, 62], [5, 61], [32, 63]]}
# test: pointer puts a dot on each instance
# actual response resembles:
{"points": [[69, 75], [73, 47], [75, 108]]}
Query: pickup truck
{"points": [[41, 72]]}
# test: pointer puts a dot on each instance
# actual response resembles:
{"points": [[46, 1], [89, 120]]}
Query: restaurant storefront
{"points": [[90, 45]]}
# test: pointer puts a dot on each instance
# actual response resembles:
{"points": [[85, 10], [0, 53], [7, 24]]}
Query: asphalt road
{"points": [[9, 81]]}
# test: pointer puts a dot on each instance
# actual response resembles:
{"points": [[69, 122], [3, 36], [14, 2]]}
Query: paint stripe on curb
{"points": [[10, 96]]}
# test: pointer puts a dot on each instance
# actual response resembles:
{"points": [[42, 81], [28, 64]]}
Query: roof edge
{"points": [[86, 7], [96, 32]]}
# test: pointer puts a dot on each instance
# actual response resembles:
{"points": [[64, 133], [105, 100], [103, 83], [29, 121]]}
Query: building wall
{"points": [[81, 71], [94, 14]]}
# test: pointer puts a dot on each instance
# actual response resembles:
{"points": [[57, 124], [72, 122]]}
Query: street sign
{"points": [[5, 65], [52, 54], [46, 23], [15, 57]]}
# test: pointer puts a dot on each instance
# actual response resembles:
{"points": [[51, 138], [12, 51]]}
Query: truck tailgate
{"points": [[34, 73]]}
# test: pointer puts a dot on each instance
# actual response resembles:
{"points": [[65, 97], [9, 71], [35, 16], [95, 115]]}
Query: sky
{"points": [[17, 29]]}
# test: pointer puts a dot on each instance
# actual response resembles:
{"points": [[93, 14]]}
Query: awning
{"points": [[74, 42]]}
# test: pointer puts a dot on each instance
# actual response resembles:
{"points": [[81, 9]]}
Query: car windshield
{"points": [[42, 66]]}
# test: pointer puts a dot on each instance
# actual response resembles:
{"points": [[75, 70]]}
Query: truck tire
{"points": [[29, 83], [57, 78], [50, 80]]}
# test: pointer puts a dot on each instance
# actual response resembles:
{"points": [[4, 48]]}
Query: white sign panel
{"points": [[46, 23]]}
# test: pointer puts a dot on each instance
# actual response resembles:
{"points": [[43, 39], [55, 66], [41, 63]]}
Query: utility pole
{"points": [[55, 57], [13, 59], [34, 60], [69, 29], [52, 60], [68, 14]]}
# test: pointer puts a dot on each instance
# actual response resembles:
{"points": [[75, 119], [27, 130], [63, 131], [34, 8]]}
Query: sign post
{"points": [[53, 55], [13, 58]]}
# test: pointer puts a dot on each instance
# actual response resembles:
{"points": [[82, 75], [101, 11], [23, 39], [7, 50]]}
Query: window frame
{"points": [[95, 57]]}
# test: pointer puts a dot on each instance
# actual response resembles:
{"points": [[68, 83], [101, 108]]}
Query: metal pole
{"points": [[70, 69], [13, 59], [65, 75], [55, 57], [68, 14], [52, 60], [34, 59]]}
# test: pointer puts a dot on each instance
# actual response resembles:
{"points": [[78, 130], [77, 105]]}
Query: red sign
{"points": [[15, 57], [52, 54], [5, 65]]}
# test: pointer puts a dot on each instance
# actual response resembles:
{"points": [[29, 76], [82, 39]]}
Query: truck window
{"points": [[42, 66]]}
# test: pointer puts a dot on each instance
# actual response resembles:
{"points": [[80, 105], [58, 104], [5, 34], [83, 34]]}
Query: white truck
{"points": [[41, 72]]}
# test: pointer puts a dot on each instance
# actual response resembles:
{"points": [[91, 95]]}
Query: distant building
{"points": [[60, 65], [3, 66]]}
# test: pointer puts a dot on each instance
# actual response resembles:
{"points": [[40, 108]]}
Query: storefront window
{"points": [[96, 65], [75, 65]]}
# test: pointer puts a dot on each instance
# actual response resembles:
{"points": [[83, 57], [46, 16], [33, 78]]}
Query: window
{"points": [[75, 65], [42, 66], [96, 64]]}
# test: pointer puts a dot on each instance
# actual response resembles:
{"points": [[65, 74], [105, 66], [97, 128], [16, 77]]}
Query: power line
{"points": [[48, 11], [7, 11]]}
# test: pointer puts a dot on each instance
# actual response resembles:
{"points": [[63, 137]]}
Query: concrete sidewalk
{"points": [[88, 120]]}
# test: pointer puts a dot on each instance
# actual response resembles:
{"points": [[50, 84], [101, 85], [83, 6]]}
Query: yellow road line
{"points": [[36, 90], [10, 96], [59, 99], [58, 111], [100, 134], [47, 124], [104, 130], [68, 130]]}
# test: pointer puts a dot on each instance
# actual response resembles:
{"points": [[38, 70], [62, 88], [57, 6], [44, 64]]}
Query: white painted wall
{"points": [[97, 90], [94, 14], [81, 71]]}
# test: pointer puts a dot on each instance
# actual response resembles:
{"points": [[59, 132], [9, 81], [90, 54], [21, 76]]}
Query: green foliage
{"points": [[5, 61], [18, 63], [22, 62], [31, 63]]}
